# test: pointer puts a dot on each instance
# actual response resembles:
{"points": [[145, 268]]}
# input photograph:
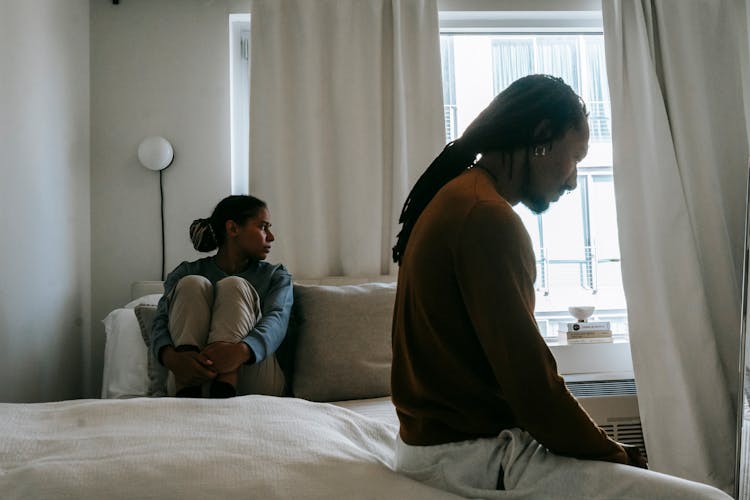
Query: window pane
{"points": [[446, 58], [558, 56], [563, 228], [472, 57], [604, 232], [596, 93], [604, 217], [449, 87], [512, 58]]}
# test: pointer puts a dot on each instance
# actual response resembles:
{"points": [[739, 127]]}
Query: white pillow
{"points": [[125, 356], [343, 341]]}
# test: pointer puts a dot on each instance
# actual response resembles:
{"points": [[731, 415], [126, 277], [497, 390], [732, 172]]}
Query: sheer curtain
{"points": [[680, 156], [345, 113]]}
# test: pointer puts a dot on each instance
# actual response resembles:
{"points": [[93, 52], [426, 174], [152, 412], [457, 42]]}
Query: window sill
{"points": [[593, 361], [556, 342]]}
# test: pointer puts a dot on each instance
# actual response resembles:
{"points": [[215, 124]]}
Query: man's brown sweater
{"points": [[468, 358]]}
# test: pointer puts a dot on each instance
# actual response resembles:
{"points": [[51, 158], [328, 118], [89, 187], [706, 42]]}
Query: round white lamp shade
{"points": [[155, 153]]}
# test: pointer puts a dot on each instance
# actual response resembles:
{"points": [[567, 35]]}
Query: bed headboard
{"points": [[141, 288]]}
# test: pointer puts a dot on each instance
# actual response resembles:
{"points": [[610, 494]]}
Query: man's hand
{"points": [[228, 357], [190, 368], [635, 457]]}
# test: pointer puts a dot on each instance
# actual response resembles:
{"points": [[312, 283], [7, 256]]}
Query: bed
{"points": [[332, 437], [246, 447]]}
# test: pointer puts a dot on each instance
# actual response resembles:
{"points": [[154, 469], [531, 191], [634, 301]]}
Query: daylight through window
{"points": [[575, 241]]}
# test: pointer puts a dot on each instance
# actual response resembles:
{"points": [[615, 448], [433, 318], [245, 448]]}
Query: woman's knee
{"points": [[193, 281], [232, 284], [237, 291], [194, 286]]}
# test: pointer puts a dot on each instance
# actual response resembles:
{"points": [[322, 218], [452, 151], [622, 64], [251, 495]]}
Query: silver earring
{"points": [[540, 151]]}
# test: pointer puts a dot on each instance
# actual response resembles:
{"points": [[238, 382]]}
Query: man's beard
{"points": [[534, 202]]}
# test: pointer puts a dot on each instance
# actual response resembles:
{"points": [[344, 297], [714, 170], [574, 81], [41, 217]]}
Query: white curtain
{"points": [[680, 166], [345, 112]]}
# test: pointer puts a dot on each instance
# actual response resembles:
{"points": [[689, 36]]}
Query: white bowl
{"points": [[581, 313]]}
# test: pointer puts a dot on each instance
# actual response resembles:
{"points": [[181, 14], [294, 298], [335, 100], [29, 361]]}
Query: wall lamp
{"points": [[156, 153]]}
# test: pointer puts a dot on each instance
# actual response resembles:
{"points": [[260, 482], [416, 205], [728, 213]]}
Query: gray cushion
{"points": [[157, 374], [343, 341]]}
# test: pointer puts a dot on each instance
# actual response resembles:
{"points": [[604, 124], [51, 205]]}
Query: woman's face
{"points": [[550, 175], [254, 237]]}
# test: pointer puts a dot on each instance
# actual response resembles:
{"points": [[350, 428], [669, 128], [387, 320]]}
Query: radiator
{"points": [[613, 404]]}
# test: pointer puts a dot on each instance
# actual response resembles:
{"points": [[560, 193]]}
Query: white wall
{"points": [[44, 199], [157, 68]]}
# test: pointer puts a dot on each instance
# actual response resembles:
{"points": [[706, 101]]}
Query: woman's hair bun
{"points": [[203, 236]]}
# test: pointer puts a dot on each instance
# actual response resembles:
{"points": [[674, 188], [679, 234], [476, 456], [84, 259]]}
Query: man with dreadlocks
{"points": [[480, 403]]}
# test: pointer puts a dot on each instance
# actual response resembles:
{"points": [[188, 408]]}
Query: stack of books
{"points": [[586, 331]]}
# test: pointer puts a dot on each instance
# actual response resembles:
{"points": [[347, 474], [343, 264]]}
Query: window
{"points": [[576, 240], [239, 92]]}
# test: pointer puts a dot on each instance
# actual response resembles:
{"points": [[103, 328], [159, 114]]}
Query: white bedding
{"points": [[246, 447], [376, 408]]}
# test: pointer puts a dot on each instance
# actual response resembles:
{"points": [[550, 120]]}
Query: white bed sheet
{"points": [[246, 447], [381, 409]]}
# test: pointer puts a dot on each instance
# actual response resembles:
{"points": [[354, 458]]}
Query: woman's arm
{"points": [[276, 305], [160, 336]]}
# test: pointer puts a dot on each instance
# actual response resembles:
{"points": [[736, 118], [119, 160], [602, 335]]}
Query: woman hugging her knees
{"points": [[222, 317]]}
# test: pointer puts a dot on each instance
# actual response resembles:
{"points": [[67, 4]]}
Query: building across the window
{"points": [[576, 240]]}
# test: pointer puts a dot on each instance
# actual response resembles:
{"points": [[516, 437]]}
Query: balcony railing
{"points": [[449, 114], [580, 272], [600, 122]]}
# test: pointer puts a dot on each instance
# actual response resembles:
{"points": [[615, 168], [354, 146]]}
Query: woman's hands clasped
{"points": [[193, 368], [190, 368], [227, 357]]}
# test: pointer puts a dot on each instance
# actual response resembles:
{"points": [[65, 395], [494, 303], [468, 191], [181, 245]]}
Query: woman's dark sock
{"points": [[222, 390], [189, 392], [187, 348], [193, 391]]}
